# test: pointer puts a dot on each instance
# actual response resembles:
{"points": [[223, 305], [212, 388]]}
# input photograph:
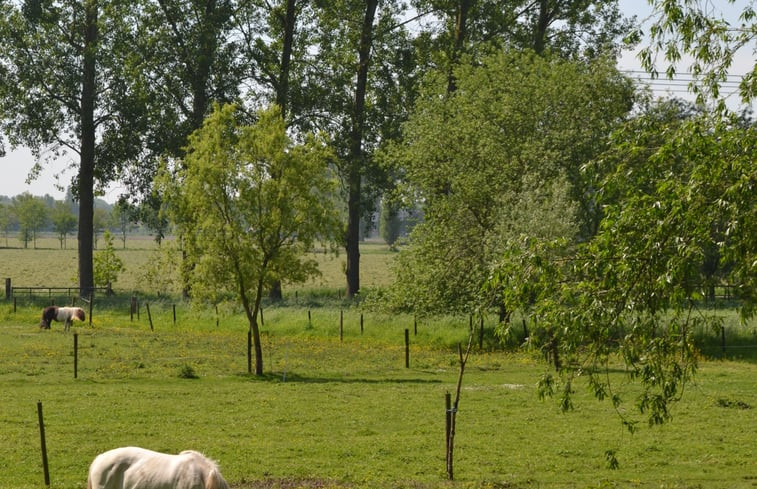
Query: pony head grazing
{"points": [[213, 478], [48, 314]]}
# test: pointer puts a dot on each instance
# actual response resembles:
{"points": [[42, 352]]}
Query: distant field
{"points": [[50, 266]]}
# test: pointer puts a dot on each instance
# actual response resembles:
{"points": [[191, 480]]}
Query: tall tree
{"points": [[250, 203], [364, 63], [184, 60], [275, 39], [674, 194], [355, 155], [61, 90], [499, 157]]}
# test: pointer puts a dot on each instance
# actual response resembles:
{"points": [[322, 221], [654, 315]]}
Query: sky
{"points": [[16, 165]]}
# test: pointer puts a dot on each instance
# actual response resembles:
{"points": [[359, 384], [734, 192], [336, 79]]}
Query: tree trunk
{"points": [[356, 156], [282, 91], [87, 153], [252, 312], [461, 32], [203, 64], [256, 330], [542, 24], [282, 95]]}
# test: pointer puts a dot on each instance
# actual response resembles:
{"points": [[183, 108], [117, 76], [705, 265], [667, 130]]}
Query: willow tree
{"points": [[250, 204], [677, 200]]}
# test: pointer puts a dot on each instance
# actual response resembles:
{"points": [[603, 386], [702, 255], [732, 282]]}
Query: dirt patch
{"points": [[291, 483]]}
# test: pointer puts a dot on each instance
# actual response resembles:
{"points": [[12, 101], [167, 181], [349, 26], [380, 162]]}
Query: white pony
{"points": [[61, 314], [138, 468]]}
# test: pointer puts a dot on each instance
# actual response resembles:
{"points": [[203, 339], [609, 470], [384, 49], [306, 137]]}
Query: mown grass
{"points": [[337, 407], [347, 413]]}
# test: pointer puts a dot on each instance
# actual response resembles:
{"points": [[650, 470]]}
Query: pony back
{"points": [[138, 468]]}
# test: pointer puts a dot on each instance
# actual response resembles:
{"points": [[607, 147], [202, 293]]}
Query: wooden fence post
{"points": [[76, 355], [448, 432], [8, 288], [45, 466], [149, 316], [407, 348], [341, 325], [91, 302]]}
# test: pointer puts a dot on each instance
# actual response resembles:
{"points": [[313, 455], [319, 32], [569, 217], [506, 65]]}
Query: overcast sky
{"points": [[16, 165]]}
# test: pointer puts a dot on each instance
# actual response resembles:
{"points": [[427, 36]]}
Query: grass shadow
{"points": [[281, 377]]}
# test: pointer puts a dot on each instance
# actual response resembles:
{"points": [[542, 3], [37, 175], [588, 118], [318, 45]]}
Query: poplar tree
{"points": [[63, 94]]}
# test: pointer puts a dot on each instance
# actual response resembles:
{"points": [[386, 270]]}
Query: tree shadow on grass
{"points": [[281, 377]]}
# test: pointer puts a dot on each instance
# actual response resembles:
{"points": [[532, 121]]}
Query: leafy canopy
{"points": [[675, 191], [249, 203], [499, 156]]}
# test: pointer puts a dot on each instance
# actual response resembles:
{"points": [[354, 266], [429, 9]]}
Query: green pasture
{"points": [[343, 412], [337, 407]]}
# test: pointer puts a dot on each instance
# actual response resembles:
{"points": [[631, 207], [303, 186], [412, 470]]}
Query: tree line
{"points": [[121, 85], [27, 216]]}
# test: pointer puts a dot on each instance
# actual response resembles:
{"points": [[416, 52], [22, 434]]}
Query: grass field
{"points": [[34, 267], [334, 413]]}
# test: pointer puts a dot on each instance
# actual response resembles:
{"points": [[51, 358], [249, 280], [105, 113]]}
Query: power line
{"points": [[677, 73]]}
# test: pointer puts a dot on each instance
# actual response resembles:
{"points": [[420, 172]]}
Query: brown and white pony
{"points": [[138, 468], [61, 314]]}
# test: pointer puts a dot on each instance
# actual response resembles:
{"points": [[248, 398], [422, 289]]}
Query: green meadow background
{"points": [[338, 407]]}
